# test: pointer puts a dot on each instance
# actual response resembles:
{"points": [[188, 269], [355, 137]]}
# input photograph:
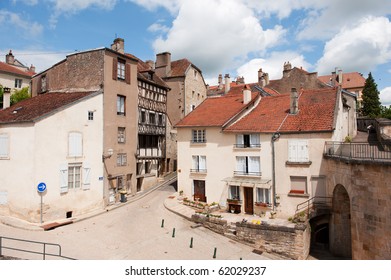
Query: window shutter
{"points": [[254, 139], [292, 151], [241, 164], [4, 146], [195, 162], [127, 73], [86, 176], [64, 178], [75, 144], [239, 140], [115, 69], [254, 165], [303, 151], [202, 162]]}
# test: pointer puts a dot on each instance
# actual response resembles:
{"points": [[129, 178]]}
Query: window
{"points": [[198, 136], [148, 167], [43, 83], [90, 115], [18, 83], [122, 160], [234, 192], [298, 185], [152, 118], [263, 195], [74, 176], [121, 135], [120, 105], [199, 164], [248, 166], [247, 141], [4, 146], [75, 144], [143, 117], [160, 120], [139, 167], [298, 151], [121, 69]]}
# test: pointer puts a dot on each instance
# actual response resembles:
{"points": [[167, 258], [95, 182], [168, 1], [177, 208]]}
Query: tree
{"points": [[20, 95], [370, 98], [1, 96], [386, 112]]}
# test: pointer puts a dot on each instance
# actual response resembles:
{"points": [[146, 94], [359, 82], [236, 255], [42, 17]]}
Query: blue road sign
{"points": [[41, 187]]}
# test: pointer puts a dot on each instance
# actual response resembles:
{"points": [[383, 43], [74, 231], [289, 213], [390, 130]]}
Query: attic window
{"points": [[17, 110]]}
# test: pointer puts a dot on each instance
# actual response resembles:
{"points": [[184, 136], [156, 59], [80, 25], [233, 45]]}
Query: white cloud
{"points": [[157, 27], [360, 48], [16, 21], [273, 65], [27, 2], [171, 5], [216, 35], [385, 96]]}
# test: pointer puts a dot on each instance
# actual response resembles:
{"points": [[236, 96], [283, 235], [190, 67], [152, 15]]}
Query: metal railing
{"points": [[359, 151], [316, 201], [247, 146], [46, 247], [244, 173]]}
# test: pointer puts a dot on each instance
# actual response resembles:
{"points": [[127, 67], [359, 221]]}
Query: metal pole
{"points": [[191, 242], [214, 254], [41, 207], [173, 232]]}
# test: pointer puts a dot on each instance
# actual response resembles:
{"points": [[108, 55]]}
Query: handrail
{"points": [[311, 201], [44, 252], [357, 150]]}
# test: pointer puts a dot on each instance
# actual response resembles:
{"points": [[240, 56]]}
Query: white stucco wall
{"points": [[37, 151]]}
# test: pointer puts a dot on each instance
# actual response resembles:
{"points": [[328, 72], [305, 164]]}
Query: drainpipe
{"points": [[275, 137]]}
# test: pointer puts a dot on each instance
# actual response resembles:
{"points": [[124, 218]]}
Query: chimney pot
{"points": [[118, 45], [6, 98], [246, 94], [163, 64], [294, 108], [227, 83], [9, 58]]}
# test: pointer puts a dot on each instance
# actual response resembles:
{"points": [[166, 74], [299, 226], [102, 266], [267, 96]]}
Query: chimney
{"points": [[163, 64], [32, 68], [287, 69], [150, 63], [118, 45], [220, 80], [239, 80], [227, 83], [9, 58], [339, 77], [246, 94], [266, 77], [294, 108], [6, 98], [260, 76]]}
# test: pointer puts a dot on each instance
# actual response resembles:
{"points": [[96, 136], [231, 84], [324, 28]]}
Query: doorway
{"points": [[199, 190], [248, 200]]}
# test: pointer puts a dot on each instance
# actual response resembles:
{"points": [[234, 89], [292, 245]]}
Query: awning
{"points": [[248, 182]]}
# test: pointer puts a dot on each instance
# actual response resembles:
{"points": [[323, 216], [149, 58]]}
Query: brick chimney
{"points": [[294, 108], [150, 63], [32, 68], [220, 81], [118, 45], [227, 83], [287, 69], [163, 64], [263, 78], [246, 94], [6, 98], [9, 58]]}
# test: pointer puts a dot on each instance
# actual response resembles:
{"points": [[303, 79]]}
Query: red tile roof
{"points": [[31, 109], [216, 111], [179, 67], [4, 67], [316, 113], [349, 80]]}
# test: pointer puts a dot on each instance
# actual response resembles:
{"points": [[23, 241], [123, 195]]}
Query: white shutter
{"points": [[241, 164], [75, 144], [302, 147], [195, 162], [64, 178], [292, 151], [202, 163], [86, 176], [254, 165], [239, 140], [254, 140], [4, 146]]}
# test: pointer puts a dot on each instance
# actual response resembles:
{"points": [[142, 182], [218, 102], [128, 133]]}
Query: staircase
{"points": [[313, 207]]}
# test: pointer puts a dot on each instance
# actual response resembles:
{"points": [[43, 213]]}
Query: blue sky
{"points": [[219, 36]]}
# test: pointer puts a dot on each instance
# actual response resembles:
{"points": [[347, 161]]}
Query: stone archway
{"points": [[340, 224]]}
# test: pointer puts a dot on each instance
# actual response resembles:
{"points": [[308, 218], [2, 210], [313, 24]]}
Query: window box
{"points": [[261, 204], [234, 201], [296, 192]]}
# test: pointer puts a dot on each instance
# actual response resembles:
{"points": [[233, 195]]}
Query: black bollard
{"points": [[173, 232], [214, 254], [162, 222], [191, 242]]}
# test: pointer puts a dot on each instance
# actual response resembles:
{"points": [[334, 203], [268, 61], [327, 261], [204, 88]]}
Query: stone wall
{"points": [[292, 242]]}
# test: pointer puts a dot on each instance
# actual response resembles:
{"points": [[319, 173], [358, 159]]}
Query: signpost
{"points": [[41, 188]]}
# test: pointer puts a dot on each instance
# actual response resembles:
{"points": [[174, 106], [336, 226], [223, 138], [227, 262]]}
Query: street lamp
{"points": [[109, 154]]}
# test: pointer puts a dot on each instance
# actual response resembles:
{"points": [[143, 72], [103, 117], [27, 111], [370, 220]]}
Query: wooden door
{"points": [[249, 200]]}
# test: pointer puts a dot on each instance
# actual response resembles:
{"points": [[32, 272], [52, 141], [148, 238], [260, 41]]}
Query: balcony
{"points": [[247, 146], [198, 170], [250, 174]]}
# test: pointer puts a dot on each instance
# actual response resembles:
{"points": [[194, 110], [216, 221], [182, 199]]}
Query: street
{"points": [[135, 232]]}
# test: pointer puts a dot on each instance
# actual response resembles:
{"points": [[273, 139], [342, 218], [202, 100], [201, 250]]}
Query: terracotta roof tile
{"points": [[349, 80], [31, 109], [179, 67], [316, 113], [4, 67], [216, 111]]}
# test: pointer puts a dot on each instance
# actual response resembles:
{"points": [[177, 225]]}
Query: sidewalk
{"points": [[22, 224]]}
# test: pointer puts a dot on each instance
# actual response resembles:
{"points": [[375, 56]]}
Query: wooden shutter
{"points": [[292, 151], [115, 68], [254, 140], [4, 146], [254, 165], [64, 178], [239, 140], [241, 164], [75, 144], [302, 150], [86, 176], [202, 163], [127, 73]]}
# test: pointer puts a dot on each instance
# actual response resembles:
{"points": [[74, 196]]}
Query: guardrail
{"points": [[316, 201], [359, 151], [46, 247]]}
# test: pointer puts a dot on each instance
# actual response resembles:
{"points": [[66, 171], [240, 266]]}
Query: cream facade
{"points": [[41, 151]]}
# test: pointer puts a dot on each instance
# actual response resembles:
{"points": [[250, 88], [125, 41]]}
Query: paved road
{"points": [[134, 232]]}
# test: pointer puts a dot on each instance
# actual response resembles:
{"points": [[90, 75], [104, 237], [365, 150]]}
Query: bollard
{"points": [[191, 242], [214, 254], [173, 232], [162, 222], [241, 258]]}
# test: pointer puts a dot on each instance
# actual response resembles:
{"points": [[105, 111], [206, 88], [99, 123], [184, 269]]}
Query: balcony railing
{"points": [[244, 173], [247, 146], [198, 170], [357, 151]]}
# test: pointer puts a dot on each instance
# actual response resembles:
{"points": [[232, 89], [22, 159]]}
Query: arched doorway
{"points": [[340, 225]]}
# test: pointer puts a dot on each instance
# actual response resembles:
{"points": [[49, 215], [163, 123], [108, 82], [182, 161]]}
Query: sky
{"points": [[236, 37]]}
